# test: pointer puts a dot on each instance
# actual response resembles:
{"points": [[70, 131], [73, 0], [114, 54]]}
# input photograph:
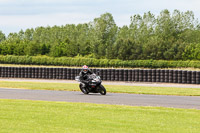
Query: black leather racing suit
{"points": [[84, 77]]}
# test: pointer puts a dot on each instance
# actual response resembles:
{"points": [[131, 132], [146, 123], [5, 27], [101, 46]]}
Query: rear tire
{"points": [[102, 90]]}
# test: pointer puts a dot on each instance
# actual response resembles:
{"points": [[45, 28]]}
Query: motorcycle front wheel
{"points": [[83, 89], [102, 90]]}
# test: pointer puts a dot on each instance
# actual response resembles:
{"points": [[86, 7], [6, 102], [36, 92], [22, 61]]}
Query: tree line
{"points": [[168, 36]]}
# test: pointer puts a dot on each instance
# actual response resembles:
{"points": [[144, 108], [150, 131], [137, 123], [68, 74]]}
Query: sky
{"points": [[22, 14]]}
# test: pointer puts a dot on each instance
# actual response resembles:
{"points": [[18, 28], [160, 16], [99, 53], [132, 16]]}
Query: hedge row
{"points": [[92, 62], [138, 75]]}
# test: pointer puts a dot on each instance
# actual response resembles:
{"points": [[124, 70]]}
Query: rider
{"points": [[85, 72]]}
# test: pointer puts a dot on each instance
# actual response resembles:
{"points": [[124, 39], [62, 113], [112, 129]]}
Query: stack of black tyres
{"points": [[109, 74], [121, 75], [25, 72], [166, 78], [11, 72], [140, 75], [189, 76], [149, 75], [175, 76], [153, 75], [145, 75], [32, 74], [136, 75], [116, 75], [8, 72], [60, 73], [198, 77], [29, 72], [72, 74], [162, 75], [105, 74], [184, 77], [2, 71], [158, 75], [112, 75], [43, 74], [22, 75], [51, 74], [101, 73], [179, 76], [77, 72], [129, 75], [54, 73], [15, 72], [57, 73], [125, 76], [68, 73], [39, 72], [47, 73], [133, 75], [170, 76], [193, 77]]}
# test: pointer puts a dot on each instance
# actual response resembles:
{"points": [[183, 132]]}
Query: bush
{"points": [[92, 62]]}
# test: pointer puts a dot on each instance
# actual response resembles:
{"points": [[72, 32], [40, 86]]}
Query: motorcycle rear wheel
{"points": [[102, 90]]}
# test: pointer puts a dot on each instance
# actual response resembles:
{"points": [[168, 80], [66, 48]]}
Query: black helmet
{"points": [[85, 69]]}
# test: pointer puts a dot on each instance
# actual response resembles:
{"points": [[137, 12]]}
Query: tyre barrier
{"points": [[136, 75]]}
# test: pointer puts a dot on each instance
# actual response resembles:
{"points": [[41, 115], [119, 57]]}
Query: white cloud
{"points": [[22, 14]]}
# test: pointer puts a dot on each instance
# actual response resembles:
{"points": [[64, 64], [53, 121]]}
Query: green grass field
{"points": [[20, 116], [110, 88]]}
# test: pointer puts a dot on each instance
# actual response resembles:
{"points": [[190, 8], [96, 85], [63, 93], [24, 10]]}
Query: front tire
{"points": [[84, 89], [102, 90]]}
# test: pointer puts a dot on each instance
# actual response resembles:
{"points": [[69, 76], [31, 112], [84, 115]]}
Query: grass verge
{"points": [[110, 88], [18, 116]]}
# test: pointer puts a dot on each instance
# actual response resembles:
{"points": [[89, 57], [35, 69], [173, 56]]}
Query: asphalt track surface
{"points": [[189, 102]]}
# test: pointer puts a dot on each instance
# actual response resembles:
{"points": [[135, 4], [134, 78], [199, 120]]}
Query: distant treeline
{"points": [[168, 36]]}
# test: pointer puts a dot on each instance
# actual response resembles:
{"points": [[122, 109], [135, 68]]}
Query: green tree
{"points": [[104, 31], [2, 36]]}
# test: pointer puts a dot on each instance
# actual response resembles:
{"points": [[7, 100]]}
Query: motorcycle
{"points": [[94, 85]]}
